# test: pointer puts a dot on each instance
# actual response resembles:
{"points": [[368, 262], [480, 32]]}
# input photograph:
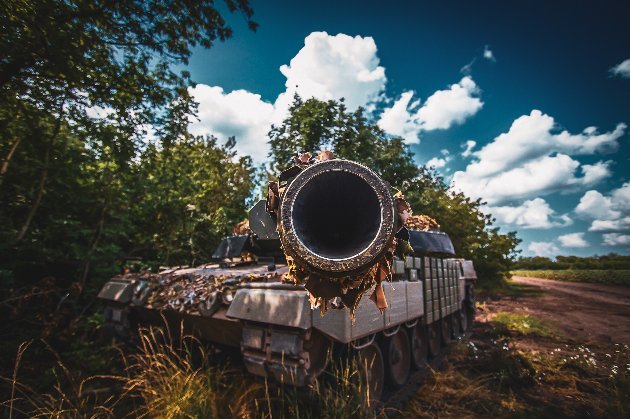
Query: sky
{"points": [[524, 104]]}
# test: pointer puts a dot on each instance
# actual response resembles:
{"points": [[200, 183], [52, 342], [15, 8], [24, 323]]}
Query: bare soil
{"points": [[585, 313]]}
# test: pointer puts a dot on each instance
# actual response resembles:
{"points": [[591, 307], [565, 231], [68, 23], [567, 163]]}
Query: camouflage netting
{"points": [[191, 291]]}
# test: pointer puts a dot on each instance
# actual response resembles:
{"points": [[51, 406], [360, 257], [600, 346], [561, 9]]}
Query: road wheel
{"points": [[372, 372], [419, 346], [318, 347], [398, 358], [456, 328], [464, 320], [445, 330], [434, 339]]}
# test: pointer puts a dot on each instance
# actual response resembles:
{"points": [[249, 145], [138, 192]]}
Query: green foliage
{"points": [[597, 276], [522, 324], [190, 196], [609, 261], [468, 227], [96, 162], [314, 125], [80, 83]]}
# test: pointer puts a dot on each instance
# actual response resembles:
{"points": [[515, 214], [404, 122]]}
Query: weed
{"points": [[522, 324]]}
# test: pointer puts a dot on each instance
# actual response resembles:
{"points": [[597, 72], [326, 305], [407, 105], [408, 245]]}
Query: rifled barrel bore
{"points": [[337, 218]]}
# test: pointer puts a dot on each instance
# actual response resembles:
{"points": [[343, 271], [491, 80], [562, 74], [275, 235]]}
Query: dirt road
{"points": [[590, 313]]}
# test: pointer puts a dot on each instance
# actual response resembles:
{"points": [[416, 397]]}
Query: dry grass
{"points": [[175, 378], [169, 384], [502, 372], [499, 373], [71, 396]]}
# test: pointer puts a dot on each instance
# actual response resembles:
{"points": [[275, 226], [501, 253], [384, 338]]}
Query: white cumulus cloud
{"points": [[330, 67], [542, 176], [622, 69], [436, 162], [334, 67], [398, 119], [616, 239], [238, 113], [574, 240], [547, 249], [454, 105], [440, 162], [441, 110], [595, 205], [535, 213], [534, 159], [326, 67], [608, 213], [468, 148], [488, 54]]}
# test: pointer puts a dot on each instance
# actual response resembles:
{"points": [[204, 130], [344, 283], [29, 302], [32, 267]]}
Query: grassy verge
{"points": [[517, 366], [506, 287], [611, 276], [165, 379]]}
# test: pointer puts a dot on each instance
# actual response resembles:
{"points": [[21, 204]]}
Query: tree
{"points": [[190, 195], [313, 125], [470, 229], [63, 61], [82, 85]]}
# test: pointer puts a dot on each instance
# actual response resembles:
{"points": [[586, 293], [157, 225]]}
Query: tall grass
{"points": [[176, 378], [71, 397]]}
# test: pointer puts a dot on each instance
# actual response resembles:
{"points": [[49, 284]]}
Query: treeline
{"points": [[609, 261], [313, 125], [98, 166]]}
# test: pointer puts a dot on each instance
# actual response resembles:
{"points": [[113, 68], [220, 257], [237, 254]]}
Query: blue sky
{"points": [[539, 93]]}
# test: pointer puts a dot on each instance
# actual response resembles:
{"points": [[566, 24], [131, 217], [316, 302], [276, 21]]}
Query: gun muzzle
{"points": [[337, 218]]}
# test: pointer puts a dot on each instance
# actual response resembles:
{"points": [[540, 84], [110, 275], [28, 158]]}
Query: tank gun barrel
{"points": [[336, 218]]}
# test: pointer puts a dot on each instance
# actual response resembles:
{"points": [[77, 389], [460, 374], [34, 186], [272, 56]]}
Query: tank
{"points": [[318, 275]]}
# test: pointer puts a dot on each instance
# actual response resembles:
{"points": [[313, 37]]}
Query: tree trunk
{"points": [[97, 238], [42, 180], [5, 164]]}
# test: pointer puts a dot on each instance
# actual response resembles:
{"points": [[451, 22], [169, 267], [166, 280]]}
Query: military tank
{"points": [[292, 292]]}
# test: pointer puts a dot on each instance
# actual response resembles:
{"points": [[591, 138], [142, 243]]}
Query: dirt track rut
{"points": [[591, 313]]}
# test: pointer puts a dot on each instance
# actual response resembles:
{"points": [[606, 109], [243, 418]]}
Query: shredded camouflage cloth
{"points": [[241, 228], [421, 222]]}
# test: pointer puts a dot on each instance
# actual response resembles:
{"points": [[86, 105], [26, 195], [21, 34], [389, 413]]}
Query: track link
{"points": [[395, 401]]}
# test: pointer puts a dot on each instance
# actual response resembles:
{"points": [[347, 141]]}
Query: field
{"points": [[608, 276], [535, 350]]}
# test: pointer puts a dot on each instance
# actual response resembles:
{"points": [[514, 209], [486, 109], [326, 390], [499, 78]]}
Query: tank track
{"points": [[395, 401]]}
